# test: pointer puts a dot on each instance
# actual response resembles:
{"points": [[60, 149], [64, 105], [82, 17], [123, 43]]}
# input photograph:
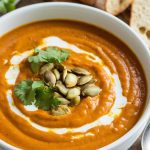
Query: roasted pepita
{"points": [[61, 88], [63, 101], [57, 74], [46, 67], [72, 93], [76, 100], [57, 95], [84, 79], [60, 66], [80, 71], [91, 90], [61, 110], [92, 81], [64, 74], [71, 80], [69, 84], [50, 78]]}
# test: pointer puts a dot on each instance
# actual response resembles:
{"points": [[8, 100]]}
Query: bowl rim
{"points": [[146, 112]]}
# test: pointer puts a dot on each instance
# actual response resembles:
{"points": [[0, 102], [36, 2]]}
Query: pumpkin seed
{"points": [[91, 90], [63, 101], [72, 93], [61, 110], [60, 66], [92, 81], [69, 70], [64, 74], [57, 95], [76, 100], [71, 80], [56, 73], [84, 79], [50, 78], [86, 85], [80, 71], [62, 89], [46, 67]]}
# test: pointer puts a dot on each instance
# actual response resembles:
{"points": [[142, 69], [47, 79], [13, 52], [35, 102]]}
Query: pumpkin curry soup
{"points": [[67, 85]]}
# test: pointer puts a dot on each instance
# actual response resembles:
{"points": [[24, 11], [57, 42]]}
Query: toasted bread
{"points": [[112, 6], [140, 19]]}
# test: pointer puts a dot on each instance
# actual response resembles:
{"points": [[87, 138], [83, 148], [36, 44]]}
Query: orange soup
{"points": [[97, 121]]}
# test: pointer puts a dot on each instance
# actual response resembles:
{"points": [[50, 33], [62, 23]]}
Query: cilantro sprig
{"points": [[45, 99], [50, 55], [36, 92], [26, 90], [7, 5]]}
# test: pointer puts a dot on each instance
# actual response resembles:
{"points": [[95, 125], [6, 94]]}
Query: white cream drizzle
{"points": [[120, 102], [17, 59], [6, 146], [14, 70], [82, 135], [56, 41], [11, 76], [19, 113]]}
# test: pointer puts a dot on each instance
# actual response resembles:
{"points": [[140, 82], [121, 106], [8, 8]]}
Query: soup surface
{"points": [[96, 121]]}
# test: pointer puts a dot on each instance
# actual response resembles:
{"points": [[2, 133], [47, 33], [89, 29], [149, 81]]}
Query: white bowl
{"points": [[70, 11]]}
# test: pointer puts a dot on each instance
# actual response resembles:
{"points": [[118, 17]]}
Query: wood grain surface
{"points": [[125, 16]]}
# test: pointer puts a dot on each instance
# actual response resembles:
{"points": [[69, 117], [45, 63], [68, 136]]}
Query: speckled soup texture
{"points": [[97, 121]]}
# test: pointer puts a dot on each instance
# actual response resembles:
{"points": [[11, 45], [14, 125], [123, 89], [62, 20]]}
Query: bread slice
{"points": [[112, 6], [76, 1], [116, 7], [101, 4], [140, 19]]}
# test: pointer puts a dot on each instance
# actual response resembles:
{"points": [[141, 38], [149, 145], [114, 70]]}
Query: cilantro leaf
{"points": [[35, 91], [30, 97], [37, 84], [54, 102], [57, 55], [25, 90], [51, 55], [44, 98], [40, 57], [35, 67]]}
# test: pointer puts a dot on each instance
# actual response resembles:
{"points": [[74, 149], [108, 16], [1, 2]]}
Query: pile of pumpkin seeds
{"points": [[70, 85]]}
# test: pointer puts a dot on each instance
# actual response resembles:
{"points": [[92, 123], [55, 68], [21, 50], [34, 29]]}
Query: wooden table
{"points": [[124, 16]]}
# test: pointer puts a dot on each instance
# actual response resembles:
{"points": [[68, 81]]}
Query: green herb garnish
{"points": [[50, 55], [35, 67], [25, 90], [45, 99], [35, 92], [7, 5]]}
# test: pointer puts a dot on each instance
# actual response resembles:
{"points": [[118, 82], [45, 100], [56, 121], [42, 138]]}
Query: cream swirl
{"points": [[14, 70]]}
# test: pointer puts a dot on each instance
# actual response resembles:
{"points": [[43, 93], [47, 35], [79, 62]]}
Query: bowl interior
{"points": [[70, 11]]}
